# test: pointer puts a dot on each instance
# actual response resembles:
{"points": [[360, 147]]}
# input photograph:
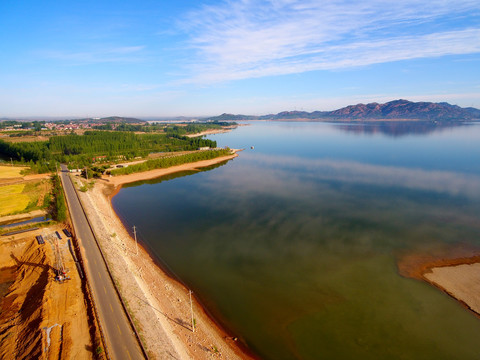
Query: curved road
{"points": [[120, 340]]}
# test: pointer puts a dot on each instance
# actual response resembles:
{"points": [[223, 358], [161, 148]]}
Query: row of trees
{"points": [[59, 211], [25, 151], [171, 161], [183, 129], [81, 149]]}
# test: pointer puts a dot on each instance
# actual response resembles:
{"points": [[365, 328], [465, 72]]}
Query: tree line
{"points": [[59, 211], [170, 161], [82, 149], [171, 129]]}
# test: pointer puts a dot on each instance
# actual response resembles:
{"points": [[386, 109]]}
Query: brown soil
{"points": [[39, 317], [43, 189]]}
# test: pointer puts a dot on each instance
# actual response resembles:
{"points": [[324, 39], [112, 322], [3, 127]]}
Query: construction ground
{"points": [[40, 316]]}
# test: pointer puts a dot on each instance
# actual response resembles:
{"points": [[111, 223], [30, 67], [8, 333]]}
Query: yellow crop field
{"points": [[8, 172], [12, 200]]}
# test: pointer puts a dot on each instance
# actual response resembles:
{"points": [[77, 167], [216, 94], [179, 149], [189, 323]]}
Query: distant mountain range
{"points": [[113, 119], [393, 110]]}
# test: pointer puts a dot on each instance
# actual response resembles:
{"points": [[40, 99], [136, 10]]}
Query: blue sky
{"points": [[194, 58]]}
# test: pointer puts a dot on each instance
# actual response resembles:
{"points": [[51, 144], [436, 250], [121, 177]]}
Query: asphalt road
{"points": [[120, 339]]}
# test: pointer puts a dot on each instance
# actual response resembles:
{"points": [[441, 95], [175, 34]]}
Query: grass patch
{"points": [[9, 172]]}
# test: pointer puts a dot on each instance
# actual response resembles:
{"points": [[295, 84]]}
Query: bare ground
{"points": [[39, 317]]}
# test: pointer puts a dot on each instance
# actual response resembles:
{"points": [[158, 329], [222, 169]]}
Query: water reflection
{"points": [[288, 167], [398, 128], [293, 245]]}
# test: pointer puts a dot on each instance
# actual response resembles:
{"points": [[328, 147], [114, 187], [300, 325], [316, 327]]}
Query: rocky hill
{"points": [[404, 109], [393, 110]]}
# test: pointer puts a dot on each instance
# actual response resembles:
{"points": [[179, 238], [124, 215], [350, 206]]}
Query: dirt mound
{"points": [[22, 311], [39, 317]]}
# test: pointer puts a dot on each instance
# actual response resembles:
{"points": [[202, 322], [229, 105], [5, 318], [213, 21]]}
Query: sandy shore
{"points": [[455, 271], [214, 131], [460, 281], [159, 304], [152, 174]]}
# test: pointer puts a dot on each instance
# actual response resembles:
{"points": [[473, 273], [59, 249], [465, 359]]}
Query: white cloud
{"points": [[103, 55], [247, 39]]}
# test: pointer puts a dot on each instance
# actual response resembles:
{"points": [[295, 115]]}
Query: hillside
{"points": [[393, 110], [114, 119], [404, 109]]}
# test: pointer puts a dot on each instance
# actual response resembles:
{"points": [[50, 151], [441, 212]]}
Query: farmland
{"points": [[20, 196], [10, 172]]}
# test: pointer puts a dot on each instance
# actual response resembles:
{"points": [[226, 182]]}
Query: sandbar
{"points": [[461, 282], [152, 174], [453, 270]]}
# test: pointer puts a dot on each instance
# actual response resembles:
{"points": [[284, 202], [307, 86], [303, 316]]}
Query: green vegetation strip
{"points": [[82, 150], [60, 209], [171, 161]]}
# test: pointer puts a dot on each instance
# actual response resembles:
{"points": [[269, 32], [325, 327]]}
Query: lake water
{"points": [[293, 245]]}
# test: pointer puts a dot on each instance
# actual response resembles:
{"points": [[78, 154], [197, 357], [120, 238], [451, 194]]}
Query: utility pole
{"points": [[135, 234], [191, 310]]}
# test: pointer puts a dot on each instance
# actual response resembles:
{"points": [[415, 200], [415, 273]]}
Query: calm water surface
{"points": [[294, 245]]}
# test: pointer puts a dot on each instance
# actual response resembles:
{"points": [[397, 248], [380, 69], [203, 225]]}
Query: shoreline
{"points": [[156, 298], [452, 271], [120, 180], [223, 130], [211, 132]]}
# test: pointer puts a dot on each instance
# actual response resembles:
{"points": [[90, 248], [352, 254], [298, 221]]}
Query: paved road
{"points": [[120, 339]]}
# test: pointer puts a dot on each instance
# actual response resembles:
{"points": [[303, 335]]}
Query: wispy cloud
{"points": [[103, 55], [247, 39]]}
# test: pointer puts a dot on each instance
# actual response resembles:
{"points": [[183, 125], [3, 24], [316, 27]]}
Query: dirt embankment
{"points": [[39, 317]]}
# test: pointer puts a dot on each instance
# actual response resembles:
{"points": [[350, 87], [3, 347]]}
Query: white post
{"points": [[191, 310], [135, 234]]}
